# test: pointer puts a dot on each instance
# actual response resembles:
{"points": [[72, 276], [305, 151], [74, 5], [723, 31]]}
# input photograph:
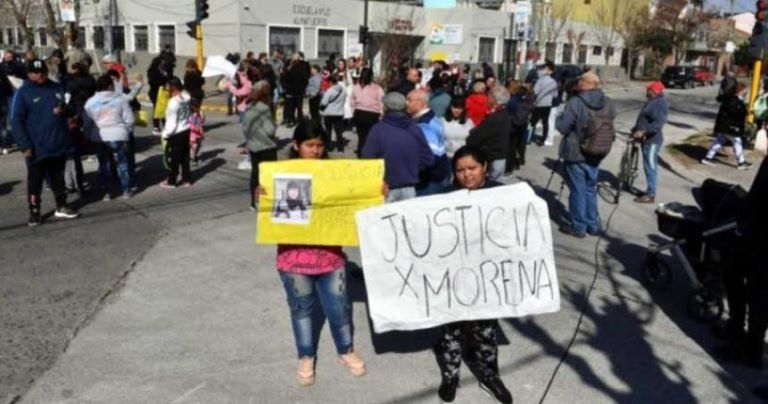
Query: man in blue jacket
{"points": [[437, 178], [648, 130], [581, 170], [399, 141], [40, 128]]}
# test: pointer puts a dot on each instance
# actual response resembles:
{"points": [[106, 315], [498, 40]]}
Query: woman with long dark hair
{"points": [[194, 81], [367, 103]]}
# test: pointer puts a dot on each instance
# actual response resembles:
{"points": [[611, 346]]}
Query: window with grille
{"points": [[98, 37], [550, 51], [81, 35], [582, 54], [9, 35], [43, 37], [567, 53], [609, 51], [486, 50], [330, 42], [597, 51], [166, 35], [285, 39], [140, 38], [118, 38]]}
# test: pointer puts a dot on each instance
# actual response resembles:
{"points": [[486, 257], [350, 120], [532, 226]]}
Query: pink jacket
{"points": [[368, 98], [241, 93]]}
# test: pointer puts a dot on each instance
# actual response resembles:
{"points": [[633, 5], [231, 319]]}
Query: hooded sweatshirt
{"points": [[35, 126], [112, 114], [400, 142], [477, 108], [652, 118], [574, 120]]}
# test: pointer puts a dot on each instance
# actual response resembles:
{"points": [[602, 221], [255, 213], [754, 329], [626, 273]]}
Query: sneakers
{"points": [[305, 373], [744, 165], [495, 388], [707, 161], [127, 195], [447, 390], [645, 199], [34, 217], [244, 165], [5, 151], [353, 362], [155, 131], [569, 231], [65, 212], [107, 197], [166, 185]]}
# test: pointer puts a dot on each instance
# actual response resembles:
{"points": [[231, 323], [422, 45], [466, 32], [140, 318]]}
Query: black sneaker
{"points": [[65, 212], [447, 390], [495, 388], [744, 165], [34, 218]]}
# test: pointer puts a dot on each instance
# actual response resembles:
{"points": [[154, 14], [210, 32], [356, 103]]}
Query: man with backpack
{"points": [[588, 133]]}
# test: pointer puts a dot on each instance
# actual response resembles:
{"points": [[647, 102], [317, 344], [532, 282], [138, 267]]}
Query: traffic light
{"points": [[363, 34], [192, 32], [758, 43], [201, 9]]}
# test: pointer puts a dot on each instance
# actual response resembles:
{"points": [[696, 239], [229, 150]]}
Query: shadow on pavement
{"points": [[7, 187]]}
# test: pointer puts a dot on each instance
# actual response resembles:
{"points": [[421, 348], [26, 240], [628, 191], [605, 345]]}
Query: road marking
{"points": [[189, 393]]}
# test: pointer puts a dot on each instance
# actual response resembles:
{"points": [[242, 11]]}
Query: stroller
{"points": [[702, 242]]}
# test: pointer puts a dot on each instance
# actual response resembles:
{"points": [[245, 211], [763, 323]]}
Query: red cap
{"points": [[656, 86]]}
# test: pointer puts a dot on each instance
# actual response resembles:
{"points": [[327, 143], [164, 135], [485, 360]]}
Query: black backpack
{"points": [[600, 132]]}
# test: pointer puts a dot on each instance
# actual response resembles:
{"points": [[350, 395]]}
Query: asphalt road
{"points": [[183, 260]]}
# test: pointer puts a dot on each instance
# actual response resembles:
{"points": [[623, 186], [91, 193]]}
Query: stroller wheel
{"points": [[657, 273], [705, 305]]}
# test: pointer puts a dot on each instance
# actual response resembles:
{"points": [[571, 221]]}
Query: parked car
{"points": [[681, 76], [704, 76]]}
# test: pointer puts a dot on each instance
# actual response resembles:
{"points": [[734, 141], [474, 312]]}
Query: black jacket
{"points": [[731, 116], [492, 136], [81, 87], [193, 83], [296, 79]]}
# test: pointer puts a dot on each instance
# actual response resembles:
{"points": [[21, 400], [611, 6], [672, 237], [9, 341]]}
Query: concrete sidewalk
{"points": [[202, 318]]}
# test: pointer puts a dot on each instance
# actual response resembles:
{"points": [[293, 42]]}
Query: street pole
{"points": [[758, 67], [199, 44]]}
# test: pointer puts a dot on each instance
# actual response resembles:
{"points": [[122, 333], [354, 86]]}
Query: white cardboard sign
{"points": [[461, 256]]}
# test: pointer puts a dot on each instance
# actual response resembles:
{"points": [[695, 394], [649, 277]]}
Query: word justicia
{"points": [[463, 230]]}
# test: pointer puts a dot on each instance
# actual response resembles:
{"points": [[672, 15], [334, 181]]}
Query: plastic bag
{"points": [[761, 106], [162, 104]]}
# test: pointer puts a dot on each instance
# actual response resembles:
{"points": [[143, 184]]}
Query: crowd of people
{"points": [[437, 128]]}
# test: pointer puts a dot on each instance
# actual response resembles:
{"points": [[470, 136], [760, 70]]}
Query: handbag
{"points": [[332, 100]]}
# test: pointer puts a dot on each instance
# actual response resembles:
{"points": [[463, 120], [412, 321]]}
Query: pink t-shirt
{"points": [[308, 259], [368, 98]]}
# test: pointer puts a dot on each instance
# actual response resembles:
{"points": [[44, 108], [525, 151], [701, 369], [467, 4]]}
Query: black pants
{"points": [[757, 301], [178, 152], [314, 109], [256, 158], [51, 168], [364, 121], [476, 340], [294, 105], [334, 123], [541, 113], [516, 151]]}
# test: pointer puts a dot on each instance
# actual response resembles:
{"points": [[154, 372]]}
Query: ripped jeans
{"points": [[330, 289]]}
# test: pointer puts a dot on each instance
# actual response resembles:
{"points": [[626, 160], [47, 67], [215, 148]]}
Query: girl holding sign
{"points": [[315, 275], [476, 338]]}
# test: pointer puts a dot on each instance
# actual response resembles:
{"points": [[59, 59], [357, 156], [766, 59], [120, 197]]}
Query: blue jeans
{"points": [[303, 291], [496, 169], [114, 154], [582, 203], [401, 194], [651, 165]]}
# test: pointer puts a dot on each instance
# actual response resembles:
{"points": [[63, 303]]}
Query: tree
{"points": [[607, 21], [681, 21], [556, 20], [20, 9], [574, 39]]}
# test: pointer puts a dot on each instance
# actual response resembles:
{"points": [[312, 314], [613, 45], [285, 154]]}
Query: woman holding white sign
{"points": [[478, 337], [313, 275]]}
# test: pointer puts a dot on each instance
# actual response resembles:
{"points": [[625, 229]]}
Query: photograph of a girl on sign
{"points": [[294, 204]]}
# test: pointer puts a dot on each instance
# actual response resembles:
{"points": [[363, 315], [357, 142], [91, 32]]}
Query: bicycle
{"points": [[629, 165]]}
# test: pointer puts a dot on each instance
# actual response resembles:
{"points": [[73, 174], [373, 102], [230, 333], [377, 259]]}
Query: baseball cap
{"points": [[656, 86], [37, 66], [394, 102]]}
